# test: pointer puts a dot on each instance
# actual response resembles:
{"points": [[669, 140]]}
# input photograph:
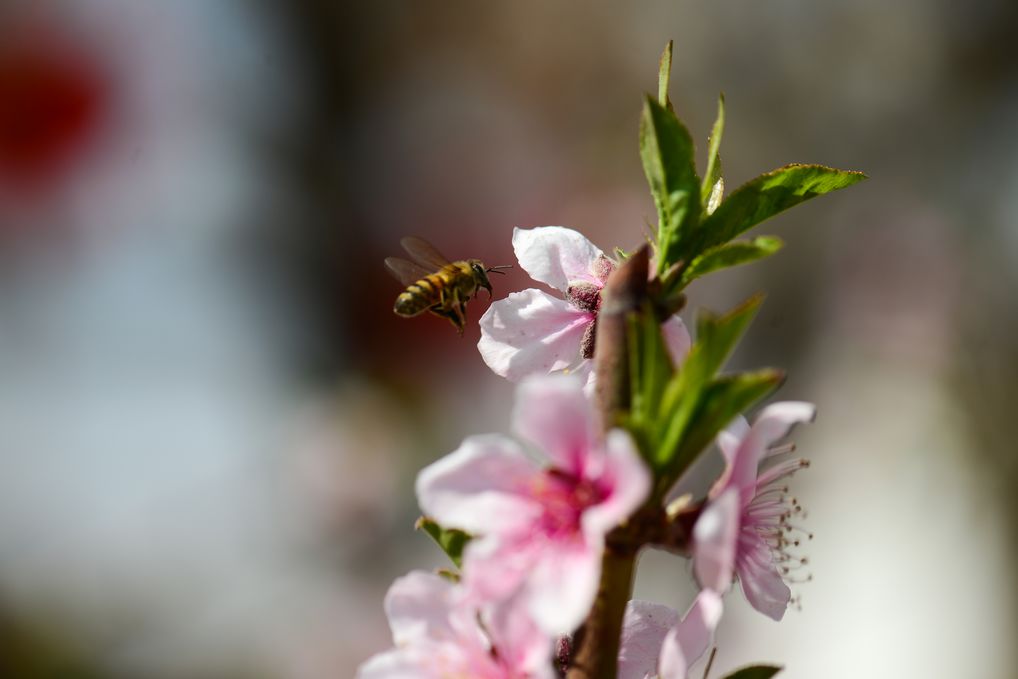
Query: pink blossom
{"points": [[438, 637], [745, 527], [532, 332], [655, 643], [540, 528]]}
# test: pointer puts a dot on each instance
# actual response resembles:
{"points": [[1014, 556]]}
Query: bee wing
{"points": [[404, 271], [424, 252]]}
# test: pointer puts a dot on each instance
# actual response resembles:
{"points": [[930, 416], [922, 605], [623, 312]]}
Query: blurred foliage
{"points": [[40, 651], [450, 540]]}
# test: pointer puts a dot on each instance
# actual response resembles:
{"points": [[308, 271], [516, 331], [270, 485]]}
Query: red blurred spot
{"points": [[50, 100]]}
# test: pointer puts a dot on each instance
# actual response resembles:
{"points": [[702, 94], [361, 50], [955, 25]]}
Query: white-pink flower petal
{"points": [[696, 631], [624, 478], [776, 420], [539, 531], [760, 581], [677, 339], [681, 645], [563, 584], [731, 437], [481, 487], [531, 332], [496, 566], [416, 606], [555, 414], [672, 664], [715, 542], [644, 628], [748, 517], [773, 423], [404, 663], [729, 440], [521, 643], [557, 256], [440, 635]]}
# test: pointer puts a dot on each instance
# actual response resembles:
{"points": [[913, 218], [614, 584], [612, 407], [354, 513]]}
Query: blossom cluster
{"points": [[614, 404], [531, 332], [540, 506]]}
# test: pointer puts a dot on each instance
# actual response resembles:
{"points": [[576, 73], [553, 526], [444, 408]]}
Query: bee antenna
{"points": [[498, 269]]}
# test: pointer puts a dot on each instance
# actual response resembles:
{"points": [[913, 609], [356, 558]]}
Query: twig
{"points": [[710, 662], [597, 642]]}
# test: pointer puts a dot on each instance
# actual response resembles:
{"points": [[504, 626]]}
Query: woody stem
{"points": [[597, 643]]}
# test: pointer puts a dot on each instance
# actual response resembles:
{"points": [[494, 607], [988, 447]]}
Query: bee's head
{"points": [[480, 275]]}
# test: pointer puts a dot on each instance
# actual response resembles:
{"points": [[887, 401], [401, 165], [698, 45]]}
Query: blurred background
{"points": [[210, 419]]}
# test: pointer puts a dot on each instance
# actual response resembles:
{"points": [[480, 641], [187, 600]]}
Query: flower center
{"points": [[587, 343], [563, 654], [603, 268], [564, 497], [774, 515], [585, 296]]}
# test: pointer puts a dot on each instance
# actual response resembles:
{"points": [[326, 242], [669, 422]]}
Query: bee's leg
{"points": [[444, 306], [449, 309], [459, 311], [442, 312], [449, 301]]}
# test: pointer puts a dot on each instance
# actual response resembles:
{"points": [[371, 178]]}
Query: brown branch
{"points": [[623, 294], [597, 643]]}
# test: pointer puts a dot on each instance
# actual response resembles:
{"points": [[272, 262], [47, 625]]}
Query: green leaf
{"points": [[717, 335], [666, 150], [674, 416], [450, 575], [769, 194], [451, 540], [715, 338], [664, 73], [730, 254], [755, 672], [713, 185], [650, 368], [719, 403]]}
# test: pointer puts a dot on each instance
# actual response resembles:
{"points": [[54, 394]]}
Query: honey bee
{"points": [[435, 284]]}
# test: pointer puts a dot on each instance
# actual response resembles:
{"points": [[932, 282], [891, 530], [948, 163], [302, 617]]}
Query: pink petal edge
{"points": [[627, 480], [677, 339], [481, 487], [552, 412], [556, 256], [531, 333], [715, 542], [643, 631]]}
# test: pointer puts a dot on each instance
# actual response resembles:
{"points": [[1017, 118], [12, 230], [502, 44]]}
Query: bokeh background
{"points": [[210, 420]]}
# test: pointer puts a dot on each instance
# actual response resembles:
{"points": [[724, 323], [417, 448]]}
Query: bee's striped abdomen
{"points": [[444, 293], [422, 295]]}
